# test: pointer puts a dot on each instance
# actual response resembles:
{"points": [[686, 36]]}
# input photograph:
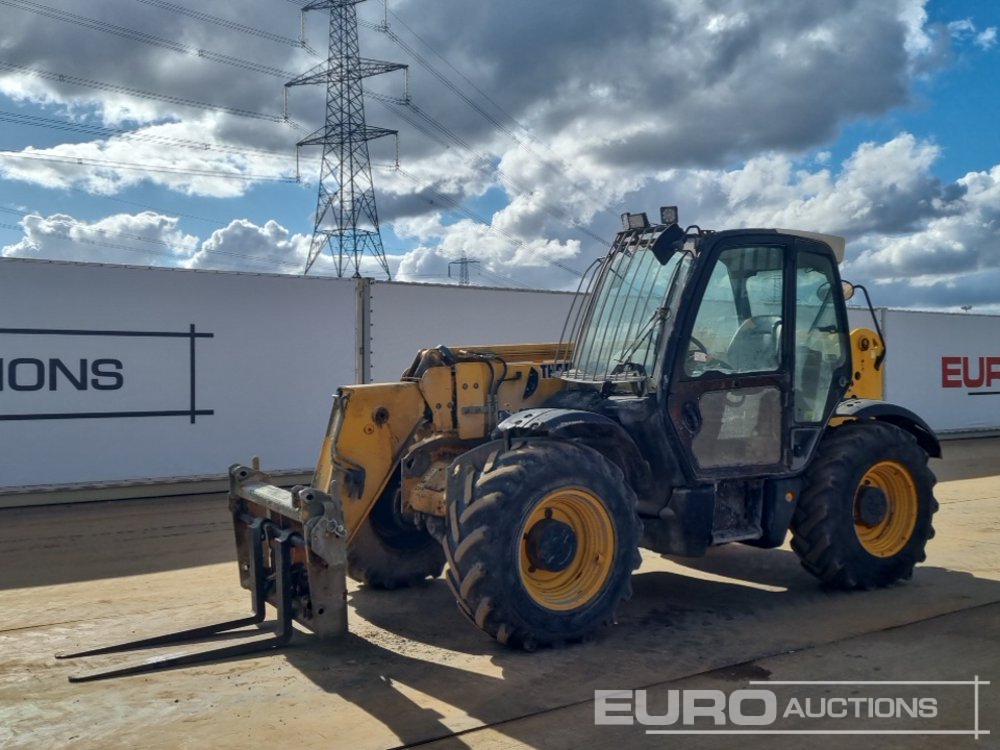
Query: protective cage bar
{"points": [[617, 332]]}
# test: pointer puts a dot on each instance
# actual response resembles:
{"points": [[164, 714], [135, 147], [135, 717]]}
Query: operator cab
{"points": [[740, 337]]}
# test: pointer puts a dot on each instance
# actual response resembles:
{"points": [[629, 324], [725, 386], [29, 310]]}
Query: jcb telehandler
{"points": [[708, 390]]}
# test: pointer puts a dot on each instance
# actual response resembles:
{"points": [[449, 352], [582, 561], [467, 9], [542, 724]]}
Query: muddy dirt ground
{"points": [[414, 672]]}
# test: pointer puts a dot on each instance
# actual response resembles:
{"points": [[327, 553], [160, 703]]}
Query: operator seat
{"points": [[756, 345]]}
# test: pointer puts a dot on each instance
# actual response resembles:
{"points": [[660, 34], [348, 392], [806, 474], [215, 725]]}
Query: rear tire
{"points": [[388, 553], [542, 548], [864, 518]]}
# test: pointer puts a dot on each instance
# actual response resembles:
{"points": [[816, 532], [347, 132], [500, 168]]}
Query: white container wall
{"points": [[860, 317], [408, 317], [116, 373], [945, 367], [111, 373]]}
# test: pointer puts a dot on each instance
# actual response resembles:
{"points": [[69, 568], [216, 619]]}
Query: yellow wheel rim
{"points": [[586, 573], [890, 535]]}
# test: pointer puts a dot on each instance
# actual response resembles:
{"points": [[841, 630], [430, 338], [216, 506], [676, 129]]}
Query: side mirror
{"points": [[846, 288]]}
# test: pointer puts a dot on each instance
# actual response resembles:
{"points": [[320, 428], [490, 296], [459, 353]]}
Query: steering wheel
{"points": [[707, 361], [698, 346], [628, 367]]}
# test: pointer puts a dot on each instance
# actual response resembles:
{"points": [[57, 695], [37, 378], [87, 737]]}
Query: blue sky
{"points": [[956, 105], [872, 120]]}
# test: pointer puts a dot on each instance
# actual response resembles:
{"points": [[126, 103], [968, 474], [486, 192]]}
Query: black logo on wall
{"points": [[31, 374]]}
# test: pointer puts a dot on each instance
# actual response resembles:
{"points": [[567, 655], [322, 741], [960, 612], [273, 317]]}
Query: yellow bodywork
{"points": [[867, 373], [369, 427], [437, 411], [867, 380]]}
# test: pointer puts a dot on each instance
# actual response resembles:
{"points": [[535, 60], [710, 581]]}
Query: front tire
{"points": [[387, 552], [542, 546], [864, 518]]}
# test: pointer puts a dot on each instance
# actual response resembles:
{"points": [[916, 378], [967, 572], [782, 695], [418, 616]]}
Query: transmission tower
{"points": [[463, 264], [346, 217]]}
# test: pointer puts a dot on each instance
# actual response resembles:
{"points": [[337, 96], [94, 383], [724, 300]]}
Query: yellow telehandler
{"points": [[707, 390]]}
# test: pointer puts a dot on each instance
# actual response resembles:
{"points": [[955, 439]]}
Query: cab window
{"points": [[739, 322], [819, 349]]}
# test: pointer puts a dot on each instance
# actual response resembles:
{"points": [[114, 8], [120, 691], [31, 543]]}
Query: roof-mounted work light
{"points": [[635, 221]]}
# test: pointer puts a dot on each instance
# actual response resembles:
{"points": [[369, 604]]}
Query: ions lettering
{"points": [[30, 374]]}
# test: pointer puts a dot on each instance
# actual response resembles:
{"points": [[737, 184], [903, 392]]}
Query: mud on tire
{"points": [[864, 519], [387, 552], [542, 545]]}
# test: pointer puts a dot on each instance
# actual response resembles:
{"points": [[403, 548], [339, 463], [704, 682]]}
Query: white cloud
{"points": [[187, 157], [615, 109], [913, 16], [914, 239], [149, 238], [499, 259], [962, 28], [244, 246], [965, 30], [948, 249], [883, 188], [987, 38], [146, 238], [716, 110]]}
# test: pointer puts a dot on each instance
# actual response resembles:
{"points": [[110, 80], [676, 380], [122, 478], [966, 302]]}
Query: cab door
{"points": [[732, 380], [761, 356]]}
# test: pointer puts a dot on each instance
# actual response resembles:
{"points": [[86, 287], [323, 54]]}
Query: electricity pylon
{"points": [[346, 217]]}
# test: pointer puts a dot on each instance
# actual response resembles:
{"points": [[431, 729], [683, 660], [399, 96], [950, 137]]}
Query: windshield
{"points": [[629, 304]]}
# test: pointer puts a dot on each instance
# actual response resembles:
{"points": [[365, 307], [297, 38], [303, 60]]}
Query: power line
{"points": [[142, 37], [226, 23], [435, 132], [157, 209], [526, 131], [440, 76], [438, 130], [89, 162], [143, 94], [560, 214], [100, 130], [479, 219], [388, 103], [458, 72], [557, 213], [430, 121], [503, 279], [458, 206]]}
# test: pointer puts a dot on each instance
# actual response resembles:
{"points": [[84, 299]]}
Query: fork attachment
{"points": [[292, 553]]}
